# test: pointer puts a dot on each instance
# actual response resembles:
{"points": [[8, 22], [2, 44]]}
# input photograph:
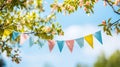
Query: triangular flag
{"points": [[70, 44], [51, 44], [6, 33], [31, 41], [23, 38], [60, 45], [80, 42], [41, 42], [15, 35], [98, 36], [18, 45], [89, 39]]}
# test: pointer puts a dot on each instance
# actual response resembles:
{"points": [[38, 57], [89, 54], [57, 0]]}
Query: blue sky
{"points": [[75, 25]]}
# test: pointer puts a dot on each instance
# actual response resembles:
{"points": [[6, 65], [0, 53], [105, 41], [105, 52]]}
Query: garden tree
{"points": [[112, 61], [81, 65], [24, 16], [101, 61]]}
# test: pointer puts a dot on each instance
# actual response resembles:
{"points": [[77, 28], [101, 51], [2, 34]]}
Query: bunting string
{"points": [[51, 43]]}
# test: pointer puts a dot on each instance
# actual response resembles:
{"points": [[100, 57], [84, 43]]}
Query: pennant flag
{"points": [[41, 42], [51, 44], [60, 45], [31, 41], [98, 36], [18, 45], [80, 42], [23, 38], [6, 33], [89, 39], [15, 35], [70, 44]]}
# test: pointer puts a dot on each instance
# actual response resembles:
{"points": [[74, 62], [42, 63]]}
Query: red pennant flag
{"points": [[70, 44], [51, 44]]}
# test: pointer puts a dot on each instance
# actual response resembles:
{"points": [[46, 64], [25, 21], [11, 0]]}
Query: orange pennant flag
{"points": [[70, 44], [89, 39], [51, 44]]}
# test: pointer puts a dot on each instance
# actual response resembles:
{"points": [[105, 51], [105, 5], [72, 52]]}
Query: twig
{"points": [[112, 7], [2, 6], [116, 22]]}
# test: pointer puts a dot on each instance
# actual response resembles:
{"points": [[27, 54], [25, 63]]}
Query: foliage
{"points": [[81, 65], [101, 61], [109, 25], [24, 16], [112, 61], [70, 6]]}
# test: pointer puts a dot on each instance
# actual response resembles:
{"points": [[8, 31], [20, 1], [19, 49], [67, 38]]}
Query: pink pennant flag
{"points": [[70, 44], [51, 44], [23, 38]]}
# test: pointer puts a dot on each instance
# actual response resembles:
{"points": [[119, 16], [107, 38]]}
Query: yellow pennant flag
{"points": [[89, 39], [6, 33]]}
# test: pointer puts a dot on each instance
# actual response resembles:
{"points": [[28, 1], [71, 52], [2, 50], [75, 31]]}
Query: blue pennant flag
{"points": [[15, 35], [80, 42], [31, 41], [41, 42], [98, 36], [18, 45], [60, 45]]}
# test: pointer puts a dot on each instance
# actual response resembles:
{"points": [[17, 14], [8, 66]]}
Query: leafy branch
{"points": [[111, 5], [29, 22], [108, 26], [2, 6]]}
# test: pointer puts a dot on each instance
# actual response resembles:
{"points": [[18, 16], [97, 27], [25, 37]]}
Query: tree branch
{"points": [[2, 6], [116, 22], [112, 7]]}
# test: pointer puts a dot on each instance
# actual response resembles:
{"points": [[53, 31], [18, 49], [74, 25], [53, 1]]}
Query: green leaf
{"points": [[100, 25], [118, 10], [104, 28], [109, 20]]}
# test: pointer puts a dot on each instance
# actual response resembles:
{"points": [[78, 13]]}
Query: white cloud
{"points": [[76, 31]]}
